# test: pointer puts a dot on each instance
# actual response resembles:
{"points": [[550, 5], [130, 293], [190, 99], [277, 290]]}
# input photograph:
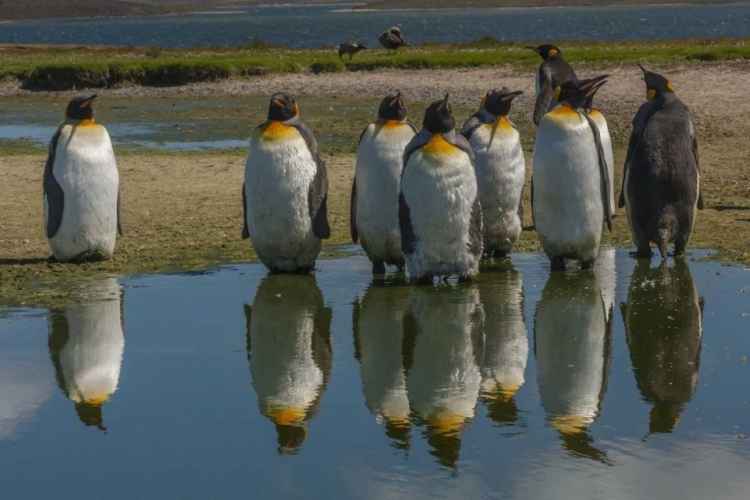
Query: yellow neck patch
{"points": [[570, 424], [392, 124], [276, 130], [86, 123], [446, 423], [287, 416], [97, 400], [439, 146], [564, 111]]}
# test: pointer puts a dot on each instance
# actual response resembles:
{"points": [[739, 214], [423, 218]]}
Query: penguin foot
{"points": [[499, 254], [424, 280], [586, 265], [378, 268], [679, 251], [465, 278], [643, 253], [557, 264], [86, 257]]}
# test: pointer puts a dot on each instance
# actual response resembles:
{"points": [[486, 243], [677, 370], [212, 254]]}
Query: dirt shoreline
{"points": [[183, 211]]}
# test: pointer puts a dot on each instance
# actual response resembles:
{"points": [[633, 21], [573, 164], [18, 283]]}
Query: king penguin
{"points": [[289, 351], [377, 323], [553, 72], [573, 348], [440, 214], [570, 186], [86, 344], [285, 195], [661, 181], [662, 318], [443, 338], [81, 188], [601, 124], [377, 181], [500, 169]]}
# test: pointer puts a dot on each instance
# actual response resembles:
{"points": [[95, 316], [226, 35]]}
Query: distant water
{"points": [[311, 27]]}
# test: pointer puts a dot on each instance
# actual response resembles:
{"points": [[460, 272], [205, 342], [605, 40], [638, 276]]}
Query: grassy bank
{"points": [[67, 68]]}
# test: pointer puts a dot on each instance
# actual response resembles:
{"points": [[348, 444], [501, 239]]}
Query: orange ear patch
{"points": [[670, 86], [552, 53]]}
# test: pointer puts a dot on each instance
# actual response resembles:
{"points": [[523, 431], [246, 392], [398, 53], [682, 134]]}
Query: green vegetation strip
{"points": [[67, 68]]}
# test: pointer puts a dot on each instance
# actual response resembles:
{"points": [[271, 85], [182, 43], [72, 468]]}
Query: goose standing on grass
{"points": [[81, 188], [350, 47], [392, 39]]}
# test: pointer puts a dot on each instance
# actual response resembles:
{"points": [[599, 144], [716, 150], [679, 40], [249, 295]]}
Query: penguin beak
{"points": [[535, 49], [642, 69], [512, 95], [444, 104], [396, 100], [278, 103], [592, 85], [87, 102]]}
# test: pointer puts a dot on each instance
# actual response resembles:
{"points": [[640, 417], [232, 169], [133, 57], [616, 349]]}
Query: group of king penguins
{"points": [[435, 200]]}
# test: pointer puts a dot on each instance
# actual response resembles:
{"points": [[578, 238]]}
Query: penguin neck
{"points": [[664, 99], [81, 123]]}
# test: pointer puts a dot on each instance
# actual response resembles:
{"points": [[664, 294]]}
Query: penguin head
{"points": [[656, 85], [547, 51], [438, 118], [576, 93], [498, 102], [282, 107], [392, 108], [81, 108]]}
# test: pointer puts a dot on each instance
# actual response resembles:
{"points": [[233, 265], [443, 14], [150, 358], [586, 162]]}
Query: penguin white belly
{"points": [[500, 170], [444, 380], [440, 189], [568, 209], [601, 124], [92, 357], [278, 174], [86, 170], [506, 348], [570, 350], [378, 178]]}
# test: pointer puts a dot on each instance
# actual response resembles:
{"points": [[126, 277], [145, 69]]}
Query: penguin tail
{"points": [[663, 242]]}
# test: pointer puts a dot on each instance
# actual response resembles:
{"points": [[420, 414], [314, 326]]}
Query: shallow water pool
{"points": [[629, 381]]}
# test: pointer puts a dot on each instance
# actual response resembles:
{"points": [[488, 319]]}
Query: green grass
{"points": [[65, 68]]}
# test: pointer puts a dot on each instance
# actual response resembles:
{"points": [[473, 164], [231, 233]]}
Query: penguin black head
{"points": [[392, 108], [290, 438], [656, 84], [91, 415], [282, 107], [498, 102], [575, 93], [547, 50], [81, 108], [438, 118]]}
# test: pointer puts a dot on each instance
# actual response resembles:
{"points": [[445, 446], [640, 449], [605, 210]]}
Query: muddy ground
{"points": [[183, 211]]}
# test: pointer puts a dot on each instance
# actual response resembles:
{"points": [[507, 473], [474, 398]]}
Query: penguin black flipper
{"points": [[473, 123], [119, 214], [58, 337], [460, 142], [603, 170], [533, 218], [317, 197], [245, 230], [408, 239], [419, 140], [52, 190], [641, 119], [353, 213], [697, 164], [545, 95], [476, 243]]}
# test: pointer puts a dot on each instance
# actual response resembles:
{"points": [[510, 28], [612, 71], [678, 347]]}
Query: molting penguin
{"points": [[500, 170], [285, 195], [392, 39], [377, 321], [377, 183], [553, 72], [661, 181], [572, 344], [289, 351], [86, 344], [81, 188], [443, 337], [570, 185], [350, 47], [601, 124], [506, 343], [662, 320], [440, 214]]}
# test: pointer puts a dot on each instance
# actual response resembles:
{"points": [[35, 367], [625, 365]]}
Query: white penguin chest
{"points": [[499, 163]]}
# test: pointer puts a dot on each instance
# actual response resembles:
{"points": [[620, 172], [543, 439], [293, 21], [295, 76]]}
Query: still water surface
{"points": [[313, 26], [630, 381]]}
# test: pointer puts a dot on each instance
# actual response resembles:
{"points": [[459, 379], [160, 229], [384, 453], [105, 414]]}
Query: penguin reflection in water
{"points": [[506, 344], [662, 320], [373, 218], [570, 186], [500, 170], [289, 351], [81, 188], [443, 337], [572, 344], [377, 322], [440, 215], [86, 344], [661, 182], [285, 194]]}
